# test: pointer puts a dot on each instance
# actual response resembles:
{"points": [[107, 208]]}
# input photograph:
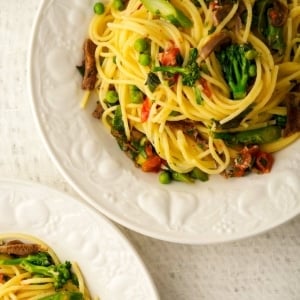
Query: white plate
{"points": [[89, 158], [110, 265]]}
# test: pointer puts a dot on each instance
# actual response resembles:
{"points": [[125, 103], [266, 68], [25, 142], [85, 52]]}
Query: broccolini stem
{"points": [[166, 10]]}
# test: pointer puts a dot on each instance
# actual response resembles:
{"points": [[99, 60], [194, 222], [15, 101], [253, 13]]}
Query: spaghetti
{"points": [[25, 267], [166, 120]]}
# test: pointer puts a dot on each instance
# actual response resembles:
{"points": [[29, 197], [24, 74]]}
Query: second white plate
{"points": [[111, 267]]}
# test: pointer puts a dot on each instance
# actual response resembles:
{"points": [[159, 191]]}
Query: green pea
{"points": [[165, 177], [118, 4], [251, 54], [112, 97], [99, 8], [174, 113], [141, 45], [252, 71], [144, 59], [136, 95]]}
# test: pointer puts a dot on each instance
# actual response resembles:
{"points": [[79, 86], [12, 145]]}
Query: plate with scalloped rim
{"points": [[110, 265], [219, 210]]}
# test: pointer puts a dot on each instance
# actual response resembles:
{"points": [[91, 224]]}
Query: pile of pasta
{"points": [[30, 269], [184, 125]]}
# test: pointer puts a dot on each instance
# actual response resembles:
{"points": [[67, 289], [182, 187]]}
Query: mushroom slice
{"points": [[90, 70], [221, 12], [293, 114], [19, 248], [216, 40]]}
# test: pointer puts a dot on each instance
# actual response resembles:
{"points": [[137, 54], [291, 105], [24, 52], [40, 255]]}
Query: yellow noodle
{"points": [[114, 34], [20, 284], [280, 144]]}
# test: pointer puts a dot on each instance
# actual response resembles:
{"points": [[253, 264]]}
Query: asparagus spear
{"points": [[251, 137], [166, 10]]}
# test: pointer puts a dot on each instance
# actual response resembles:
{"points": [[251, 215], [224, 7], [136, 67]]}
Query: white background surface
{"points": [[262, 267]]}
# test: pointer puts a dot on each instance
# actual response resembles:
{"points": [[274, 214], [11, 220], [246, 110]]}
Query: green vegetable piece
{"points": [[39, 259], [165, 177], [250, 54], [41, 264], [238, 66], [117, 121], [112, 97], [198, 96], [252, 71], [182, 177], [141, 45], [190, 73], [60, 273], [174, 113], [166, 10], [144, 59], [152, 81], [280, 120], [64, 296], [198, 174], [118, 4], [136, 95], [143, 140], [99, 8], [273, 36], [258, 136]]}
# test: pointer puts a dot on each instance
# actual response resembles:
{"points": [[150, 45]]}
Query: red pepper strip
{"points": [[152, 164], [205, 86], [145, 110], [237, 172], [149, 149], [277, 18], [273, 14], [252, 157], [168, 57], [264, 162], [244, 161]]}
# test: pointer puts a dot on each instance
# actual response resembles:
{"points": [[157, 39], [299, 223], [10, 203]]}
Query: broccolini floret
{"points": [[41, 264], [190, 72], [166, 10], [61, 273], [238, 65], [40, 259]]}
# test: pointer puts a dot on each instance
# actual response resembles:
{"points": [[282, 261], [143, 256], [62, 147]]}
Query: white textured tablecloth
{"points": [[266, 267]]}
